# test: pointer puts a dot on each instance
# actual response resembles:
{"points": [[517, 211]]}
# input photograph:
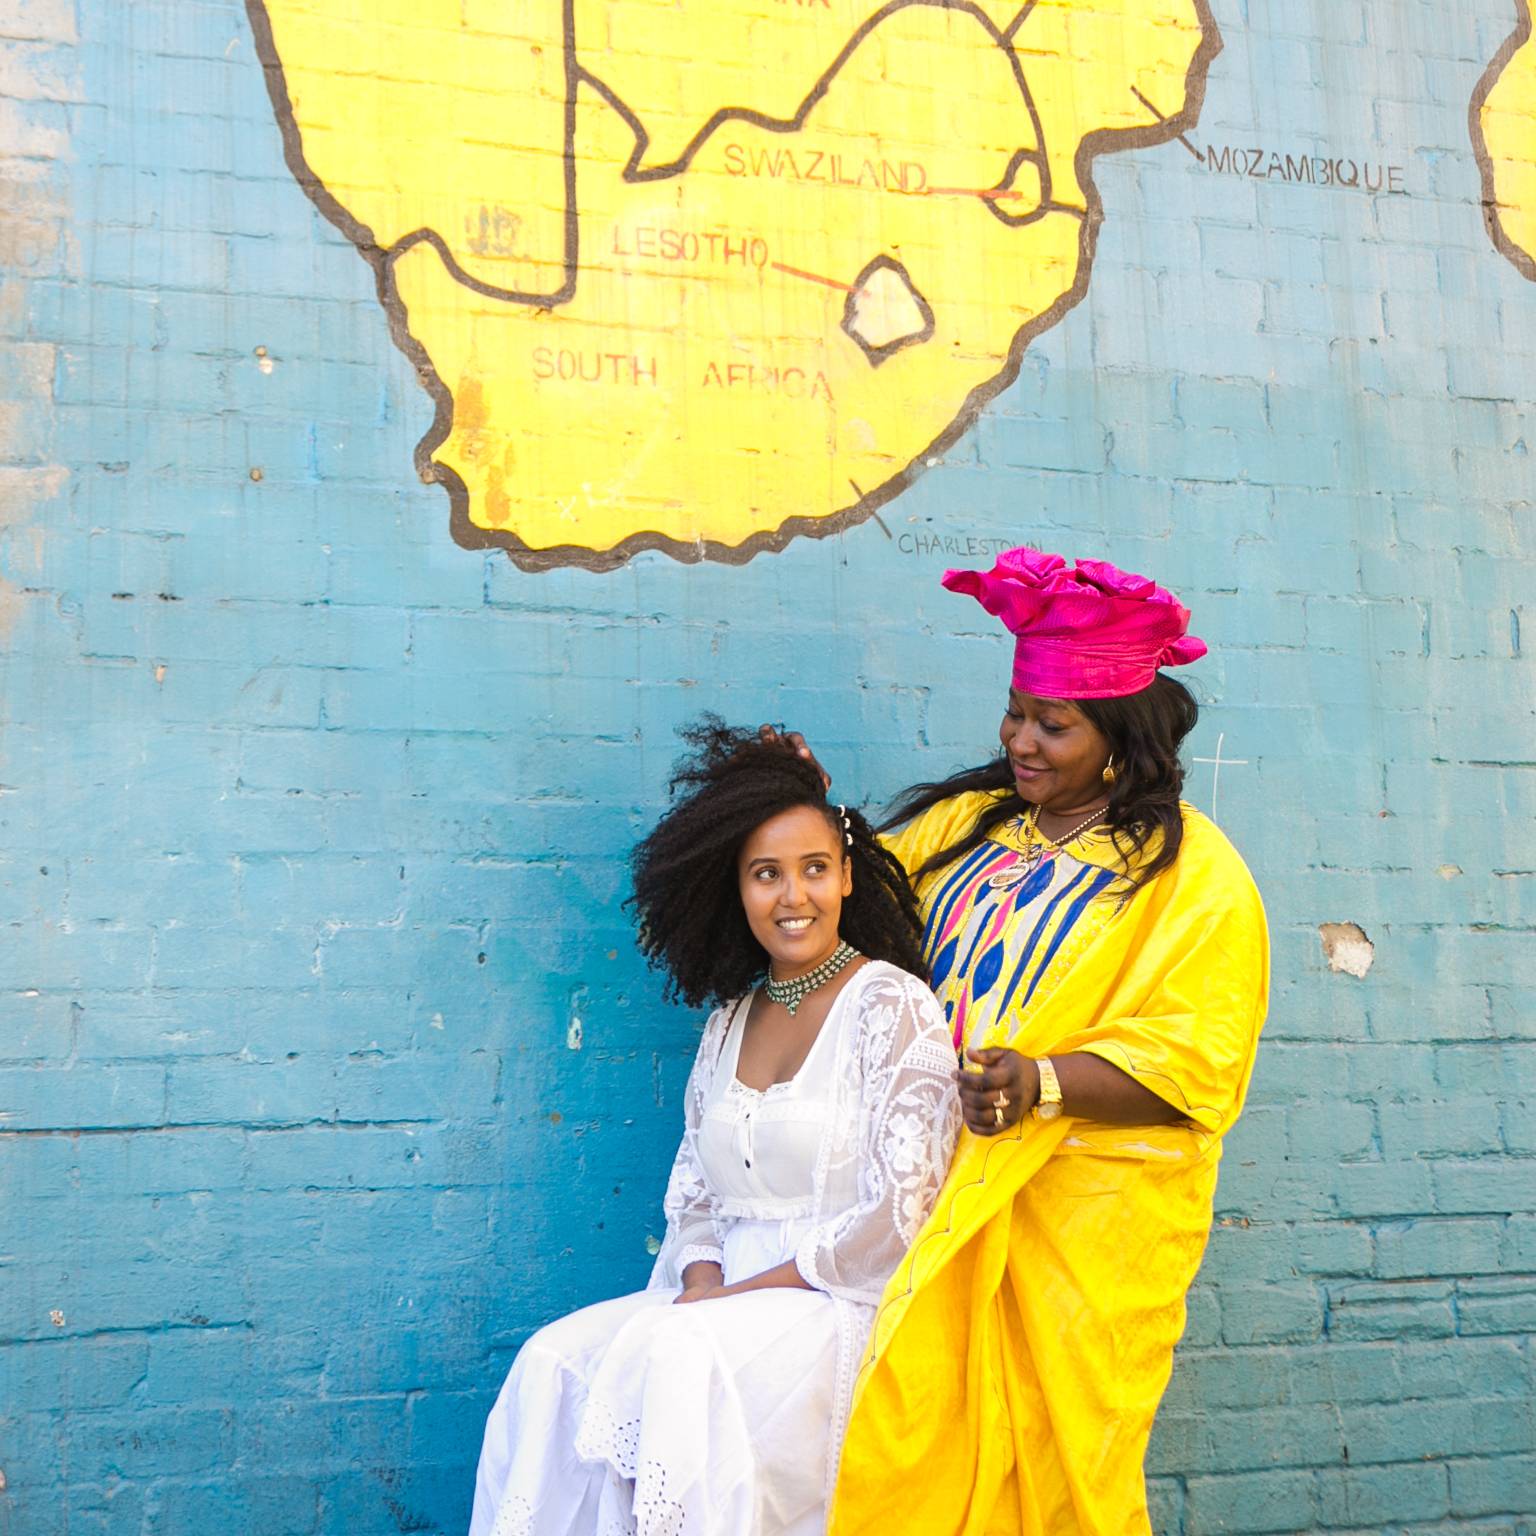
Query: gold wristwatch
{"points": [[1048, 1105]]}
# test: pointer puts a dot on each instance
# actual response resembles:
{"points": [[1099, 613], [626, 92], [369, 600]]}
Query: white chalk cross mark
{"points": [[1217, 763]]}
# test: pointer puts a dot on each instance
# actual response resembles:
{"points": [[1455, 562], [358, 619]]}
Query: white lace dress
{"points": [[635, 1417]]}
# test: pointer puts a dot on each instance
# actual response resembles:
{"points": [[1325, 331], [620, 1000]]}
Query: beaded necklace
{"points": [[790, 994]]}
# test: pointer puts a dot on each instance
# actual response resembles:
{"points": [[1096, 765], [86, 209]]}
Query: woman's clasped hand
{"points": [[1002, 1087], [700, 1282], [998, 1091]]}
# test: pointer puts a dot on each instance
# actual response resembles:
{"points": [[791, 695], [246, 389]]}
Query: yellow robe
{"points": [[1021, 1349]]}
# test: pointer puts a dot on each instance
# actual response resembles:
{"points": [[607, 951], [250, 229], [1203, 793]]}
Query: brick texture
{"points": [[313, 824]]}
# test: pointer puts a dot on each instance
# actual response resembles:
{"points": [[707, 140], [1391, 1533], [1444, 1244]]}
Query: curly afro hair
{"points": [[686, 898]]}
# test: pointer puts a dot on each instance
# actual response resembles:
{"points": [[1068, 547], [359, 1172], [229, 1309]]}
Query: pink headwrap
{"points": [[1091, 632]]}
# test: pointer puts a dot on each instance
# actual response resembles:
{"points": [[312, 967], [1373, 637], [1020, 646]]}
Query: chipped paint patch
{"points": [[1346, 948], [44, 21], [34, 244]]}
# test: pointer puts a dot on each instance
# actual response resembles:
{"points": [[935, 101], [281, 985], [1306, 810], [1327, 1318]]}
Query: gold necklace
{"points": [[1035, 854], [1055, 844]]}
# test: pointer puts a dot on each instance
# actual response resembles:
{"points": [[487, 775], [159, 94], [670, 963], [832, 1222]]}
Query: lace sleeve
{"points": [[695, 1227], [897, 1145]]}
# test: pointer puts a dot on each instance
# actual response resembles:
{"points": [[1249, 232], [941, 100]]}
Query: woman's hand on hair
{"points": [[1006, 1074], [797, 741]]}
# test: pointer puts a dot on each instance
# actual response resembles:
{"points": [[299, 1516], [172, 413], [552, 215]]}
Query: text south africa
{"points": [[587, 365]]}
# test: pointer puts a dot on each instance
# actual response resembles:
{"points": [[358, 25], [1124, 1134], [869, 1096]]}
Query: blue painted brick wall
{"points": [[312, 824]]}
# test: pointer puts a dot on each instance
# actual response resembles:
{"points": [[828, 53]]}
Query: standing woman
{"points": [[1101, 955]]}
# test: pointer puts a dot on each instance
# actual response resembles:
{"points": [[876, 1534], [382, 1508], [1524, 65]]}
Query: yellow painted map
{"points": [[1504, 135], [702, 275]]}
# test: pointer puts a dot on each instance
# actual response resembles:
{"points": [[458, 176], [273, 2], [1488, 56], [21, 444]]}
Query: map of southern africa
{"points": [[703, 275], [1504, 136]]}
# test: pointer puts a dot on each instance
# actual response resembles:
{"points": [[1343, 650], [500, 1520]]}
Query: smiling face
{"points": [[1057, 754], [793, 877]]}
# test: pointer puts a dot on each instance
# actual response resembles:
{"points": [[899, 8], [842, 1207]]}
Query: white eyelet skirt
{"points": [[635, 1417]]}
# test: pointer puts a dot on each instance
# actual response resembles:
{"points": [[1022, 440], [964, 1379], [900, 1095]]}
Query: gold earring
{"points": [[1109, 774]]}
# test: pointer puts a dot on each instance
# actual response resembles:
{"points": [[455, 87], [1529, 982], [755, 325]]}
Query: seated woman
{"points": [[818, 1124]]}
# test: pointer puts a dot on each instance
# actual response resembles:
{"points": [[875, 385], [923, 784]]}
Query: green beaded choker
{"points": [[790, 994]]}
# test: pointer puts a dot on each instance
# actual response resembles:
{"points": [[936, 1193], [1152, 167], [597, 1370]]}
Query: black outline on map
{"points": [[877, 355], [1524, 260], [1005, 184], [379, 257], [470, 535], [634, 172]]}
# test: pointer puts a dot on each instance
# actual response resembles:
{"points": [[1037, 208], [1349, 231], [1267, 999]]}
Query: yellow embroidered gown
{"points": [[1022, 1347]]}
